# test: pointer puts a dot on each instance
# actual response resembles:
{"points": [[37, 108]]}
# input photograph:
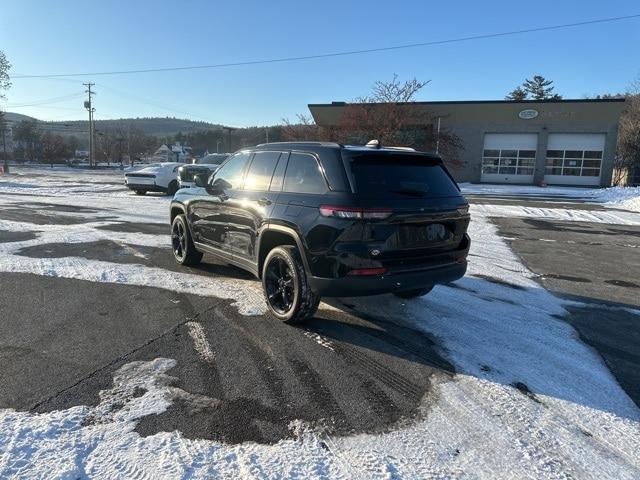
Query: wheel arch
{"points": [[176, 209], [274, 236]]}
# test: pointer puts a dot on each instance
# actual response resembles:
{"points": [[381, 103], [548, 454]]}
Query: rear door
{"points": [[249, 209], [427, 210], [303, 191]]}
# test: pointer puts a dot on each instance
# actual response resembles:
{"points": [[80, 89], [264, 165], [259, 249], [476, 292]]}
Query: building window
{"points": [[509, 162], [575, 163]]}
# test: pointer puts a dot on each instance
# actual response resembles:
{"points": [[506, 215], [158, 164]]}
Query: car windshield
{"points": [[408, 175]]}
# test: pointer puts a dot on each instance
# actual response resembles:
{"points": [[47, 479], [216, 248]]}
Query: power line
{"points": [[153, 103], [75, 109], [46, 101], [338, 54]]}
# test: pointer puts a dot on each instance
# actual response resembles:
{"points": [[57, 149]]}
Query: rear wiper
{"points": [[409, 191]]}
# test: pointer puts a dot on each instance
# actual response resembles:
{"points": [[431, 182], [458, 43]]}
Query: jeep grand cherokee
{"points": [[315, 219]]}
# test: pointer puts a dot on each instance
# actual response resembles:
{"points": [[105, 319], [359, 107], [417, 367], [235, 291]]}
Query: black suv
{"points": [[207, 165], [314, 219]]}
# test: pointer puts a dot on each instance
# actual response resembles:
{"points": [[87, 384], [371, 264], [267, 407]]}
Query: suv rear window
{"points": [[303, 175], [401, 175]]}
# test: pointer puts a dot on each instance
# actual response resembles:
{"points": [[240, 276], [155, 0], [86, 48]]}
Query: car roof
{"points": [[315, 146]]}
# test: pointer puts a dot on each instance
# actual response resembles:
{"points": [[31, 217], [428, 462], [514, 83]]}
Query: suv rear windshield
{"points": [[403, 175]]}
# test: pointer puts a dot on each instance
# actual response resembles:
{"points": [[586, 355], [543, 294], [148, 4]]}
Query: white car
{"points": [[157, 177]]}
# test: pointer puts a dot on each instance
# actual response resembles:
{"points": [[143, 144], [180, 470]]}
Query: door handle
{"points": [[264, 201]]}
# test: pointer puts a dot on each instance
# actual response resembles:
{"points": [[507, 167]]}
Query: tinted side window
{"points": [[278, 175], [230, 174], [303, 175], [261, 170]]}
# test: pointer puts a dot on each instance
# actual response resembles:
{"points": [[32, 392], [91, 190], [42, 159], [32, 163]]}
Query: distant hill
{"points": [[157, 126], [18, 117]]}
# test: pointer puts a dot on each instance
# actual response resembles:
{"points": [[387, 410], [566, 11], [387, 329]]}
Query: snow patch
{"points": [[627, 198], [200, 342]]}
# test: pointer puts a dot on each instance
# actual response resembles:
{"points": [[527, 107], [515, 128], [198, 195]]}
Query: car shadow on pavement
{"points": [[346, 325], [520, 342]]}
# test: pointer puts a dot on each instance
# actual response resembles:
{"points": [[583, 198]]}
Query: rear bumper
{"points": [[355, 286], [146, 187]]}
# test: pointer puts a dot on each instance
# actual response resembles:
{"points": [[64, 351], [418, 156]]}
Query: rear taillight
{"points": [[463, 209], [366, 272], [355, 212]]}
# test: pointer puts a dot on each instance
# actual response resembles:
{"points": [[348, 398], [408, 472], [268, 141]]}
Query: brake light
{"points": [[365, 272], [355, 212], [463, 209]]}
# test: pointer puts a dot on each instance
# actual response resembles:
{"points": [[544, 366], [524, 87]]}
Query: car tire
{"points": [[284, 283], [184, 251], [414, 293], [141, 192], [172, 188]]}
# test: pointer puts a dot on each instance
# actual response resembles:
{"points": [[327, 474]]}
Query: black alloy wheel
{"points": [[184, 251], [178, 240], [279, 285], [284, 281]]}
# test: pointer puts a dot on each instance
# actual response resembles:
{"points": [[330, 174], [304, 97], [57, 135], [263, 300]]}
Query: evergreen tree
{"points": [[540, 88], [516, 94]]}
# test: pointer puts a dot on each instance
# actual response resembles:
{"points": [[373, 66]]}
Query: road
{"points": [[65, 338]]}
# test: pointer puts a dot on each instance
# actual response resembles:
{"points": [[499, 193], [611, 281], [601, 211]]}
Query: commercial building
{"points": [[561, 142]]}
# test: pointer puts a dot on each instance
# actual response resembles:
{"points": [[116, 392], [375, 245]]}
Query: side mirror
{"points": [[201, 179]]}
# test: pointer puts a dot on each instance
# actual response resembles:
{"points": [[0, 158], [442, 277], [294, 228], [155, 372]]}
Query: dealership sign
{"points": [[528, 114]]}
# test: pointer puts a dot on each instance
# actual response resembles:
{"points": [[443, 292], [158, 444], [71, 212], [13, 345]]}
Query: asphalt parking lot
{"points": [[358, 367], [89, 332]]}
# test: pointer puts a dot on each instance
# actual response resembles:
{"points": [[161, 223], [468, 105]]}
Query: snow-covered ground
{"points": [[577, 423], [619, 197], [627, 198]]}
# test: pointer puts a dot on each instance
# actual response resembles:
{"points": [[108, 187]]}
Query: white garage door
{"points": [[574, 158], [509, 157]]}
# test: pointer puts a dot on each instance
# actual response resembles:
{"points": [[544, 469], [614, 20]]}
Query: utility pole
{"points": [[4, 148], [266, 134], [4, 124], [89, 107]]}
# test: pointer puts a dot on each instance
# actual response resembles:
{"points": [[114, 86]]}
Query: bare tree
{"points": [[304, 129], [388, 115], [54, 148], [4, 74], [394, 91], [627, 161], [28, 135]]}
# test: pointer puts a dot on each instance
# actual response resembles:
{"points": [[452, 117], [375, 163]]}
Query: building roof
{"points": [[475, 102], [473, 112]]}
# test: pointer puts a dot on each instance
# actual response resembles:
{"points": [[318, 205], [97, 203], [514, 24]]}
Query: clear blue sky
{"points": [[46, 37]]}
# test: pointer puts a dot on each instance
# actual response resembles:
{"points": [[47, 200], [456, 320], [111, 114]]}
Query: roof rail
{"points": [[322, 144], [404, 149]]}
